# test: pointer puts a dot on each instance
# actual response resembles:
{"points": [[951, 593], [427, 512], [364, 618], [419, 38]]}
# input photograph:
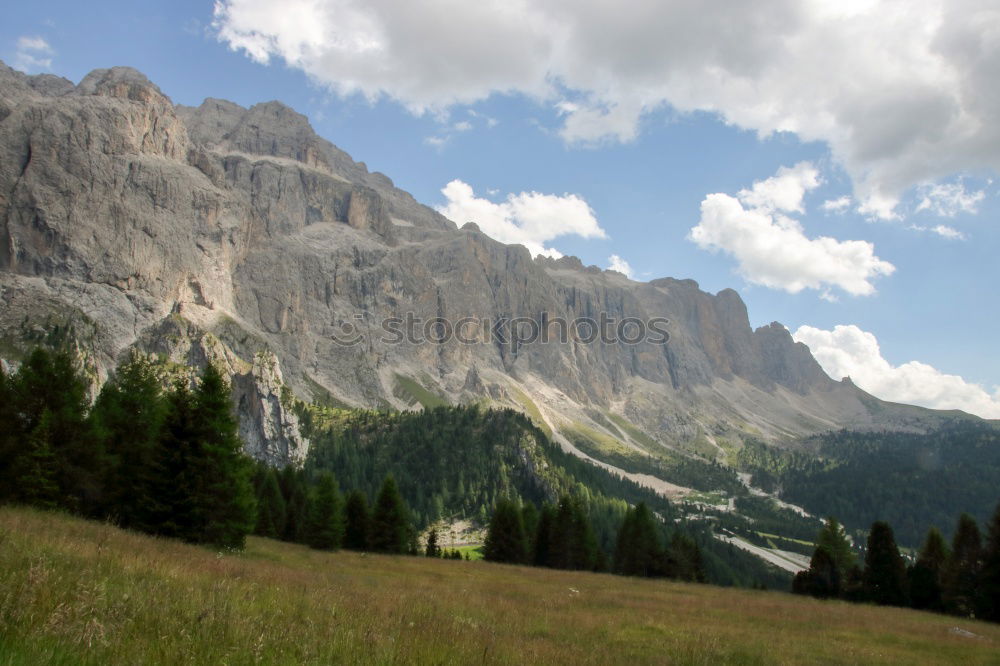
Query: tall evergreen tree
{"points": [[988, 599], [964, 565], [432, 549], [226, 502], [683, 559], [358, 527], [271, 511], [326, 521], [9, 436], [390, 527], [543, 537], [505, 538], [296, 496], [173, 481], [885, 571], [529, 518], [823, 578], [571, 538], [35, 468], [127, 417], [833, 538], [638, 549], [50, 385], [927, 573]]}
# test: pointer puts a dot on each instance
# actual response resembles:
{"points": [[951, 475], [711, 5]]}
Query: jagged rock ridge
{"points": [[239, 235]]}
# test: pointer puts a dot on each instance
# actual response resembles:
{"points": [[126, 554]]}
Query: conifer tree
{"points": [[529, 518], [173, 480], [270, 504], [885, 571], [295, 495], [127, 418], [225, 506], [833, 538], [683, 559], [988, 606], [390, 526], [49, 384], [505, 538], [34, 473], [543, 537], [326, 523], [572, 544], [927, 573], [356, 534], [432, 549], [638, 549], [9, 436], [823, 577], [964, 565]]}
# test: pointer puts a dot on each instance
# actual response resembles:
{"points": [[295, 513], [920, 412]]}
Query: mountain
{"points": [[239, 235]]}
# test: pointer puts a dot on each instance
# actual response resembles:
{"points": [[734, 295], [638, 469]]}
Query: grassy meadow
{"points": [[73, 591]]}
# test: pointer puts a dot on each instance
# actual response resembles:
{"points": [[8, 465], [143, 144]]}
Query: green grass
{"points": [[412, 392], [473, 552], [78, 592], [532, 411]]}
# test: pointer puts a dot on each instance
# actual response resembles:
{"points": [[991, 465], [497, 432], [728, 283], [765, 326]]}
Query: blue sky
{"points": [[642, 134]]}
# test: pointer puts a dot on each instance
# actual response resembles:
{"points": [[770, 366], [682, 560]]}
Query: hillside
{"points": [[81, 592]]}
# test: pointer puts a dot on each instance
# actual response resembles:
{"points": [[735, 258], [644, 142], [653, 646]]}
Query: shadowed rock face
{"points": [[238, 235]]}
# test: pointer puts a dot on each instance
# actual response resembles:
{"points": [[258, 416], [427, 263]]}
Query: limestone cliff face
{"points": [[239, 234]]}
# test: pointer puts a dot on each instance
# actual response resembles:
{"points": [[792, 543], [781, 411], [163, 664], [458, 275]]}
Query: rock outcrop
{"points": [[236, 234]]}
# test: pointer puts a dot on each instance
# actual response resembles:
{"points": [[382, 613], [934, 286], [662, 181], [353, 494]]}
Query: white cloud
{"points": [[903, 91], [948, 232], [616, 263], [33, 54], [531, 219], [462, 126], [838, 205], [771, 249], [950, 199], [848, 351]]}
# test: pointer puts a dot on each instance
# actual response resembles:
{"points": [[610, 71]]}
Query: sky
{"points": [[834, 162]]}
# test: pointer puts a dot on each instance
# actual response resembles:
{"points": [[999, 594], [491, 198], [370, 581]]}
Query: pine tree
{"points": [[225, 501], [638, 549], [543, 537], [296, 497], [571, 538], [49, 383], [885, 571], [833, 538], [529, 518], [823, 577], [927, 573], [683, 559], [172, 480], [963, 568], [432, 549], [390, 527], [127, 417], [325, 529], [270, 504], [988, 606], [35, 471], [505, 538], [356, 534]]}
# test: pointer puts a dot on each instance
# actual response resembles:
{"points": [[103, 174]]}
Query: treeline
{"points": [[961, 580], [560, 537], [910, 480], [162, 462]]}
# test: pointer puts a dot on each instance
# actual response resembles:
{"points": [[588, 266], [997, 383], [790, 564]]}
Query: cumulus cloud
{"points": [[950, 199], [903, 91], [772, 249], [530, 219], [848, 351], [616, 263], [838, 205], [33, 54]]}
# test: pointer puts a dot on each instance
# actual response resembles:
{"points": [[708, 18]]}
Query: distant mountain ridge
{"points": [[239, 235]]}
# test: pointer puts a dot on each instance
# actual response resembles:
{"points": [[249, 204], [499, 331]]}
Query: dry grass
{"points": [[73, 591]]}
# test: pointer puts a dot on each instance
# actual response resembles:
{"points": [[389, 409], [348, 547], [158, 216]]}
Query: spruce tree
{"points": [[225, 506], [964, 565], [927, 573], [50, 384], [572, 544], [638, 549], [296, 496], [358, 527], [173, 479], [823, 578], [885, 571], [988, 598], [683, 559], [390, 527], [543, 537], [35, 470], [505, 538], [127, 418], [432, 549], [271, 512], [833, 538], [325, 529]]}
